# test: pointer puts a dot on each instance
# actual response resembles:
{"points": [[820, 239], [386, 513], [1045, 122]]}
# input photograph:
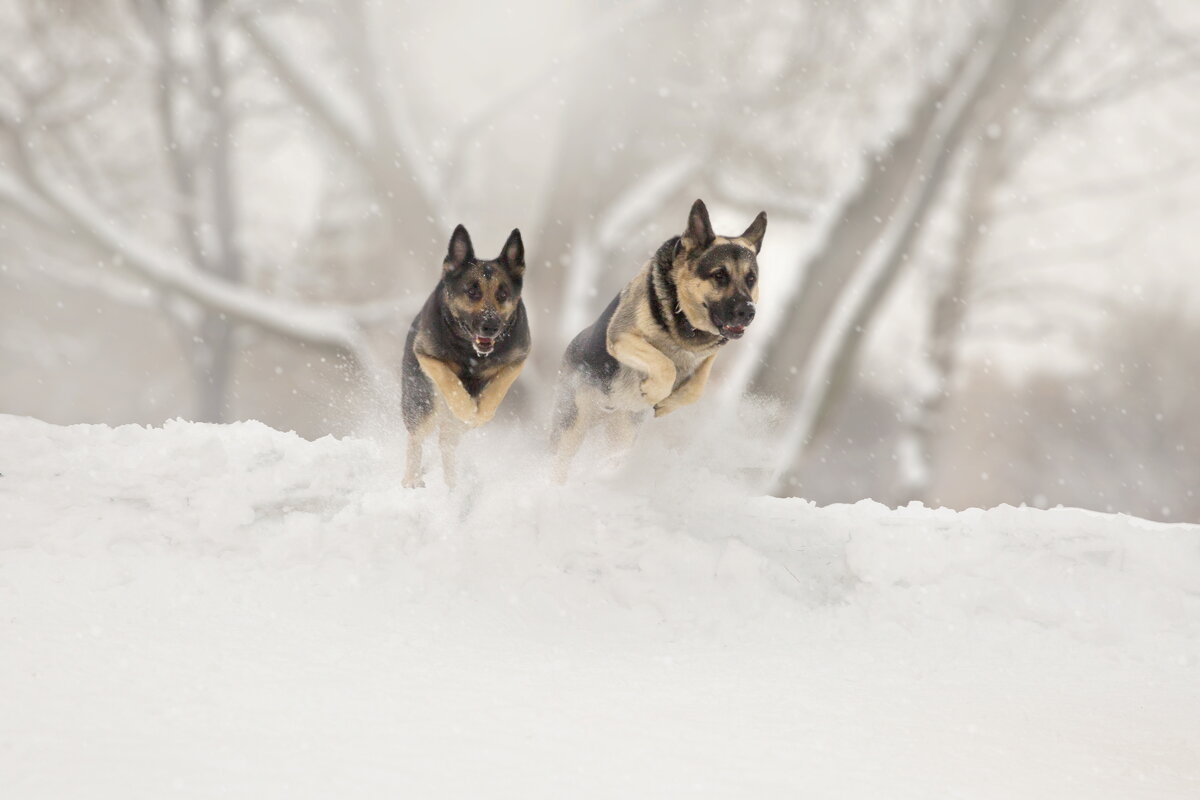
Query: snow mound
{"points": [[683, 547], [183, 588]]}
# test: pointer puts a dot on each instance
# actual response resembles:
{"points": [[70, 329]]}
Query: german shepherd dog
{"points": [[654, 345], [464, 349]]}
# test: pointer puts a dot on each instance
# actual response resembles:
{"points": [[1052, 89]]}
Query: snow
{"points": [[200, 610]]}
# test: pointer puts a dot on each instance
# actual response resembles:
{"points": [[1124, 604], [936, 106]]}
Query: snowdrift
{"points": [[199, 609]]}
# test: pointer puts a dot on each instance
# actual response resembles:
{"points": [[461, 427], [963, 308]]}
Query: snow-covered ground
{"points": [[202, 611]]}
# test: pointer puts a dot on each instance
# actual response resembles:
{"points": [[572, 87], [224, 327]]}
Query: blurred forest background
{"points": [[980, 282]]}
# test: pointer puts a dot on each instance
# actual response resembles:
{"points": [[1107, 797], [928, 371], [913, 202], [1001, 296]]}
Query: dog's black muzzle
{"points": [[731, 316], [487, 330]]}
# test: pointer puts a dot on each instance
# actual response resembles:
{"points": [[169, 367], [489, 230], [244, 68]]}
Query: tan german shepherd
{"points": [[654, 345]]}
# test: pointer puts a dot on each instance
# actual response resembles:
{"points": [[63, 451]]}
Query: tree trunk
{"points": [[923, 419], [867, 249], [215, 359]]}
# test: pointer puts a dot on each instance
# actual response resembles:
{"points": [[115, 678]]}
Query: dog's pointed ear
{"points": [[513, 254], [699, 233], [754, 234], [460, 251]]}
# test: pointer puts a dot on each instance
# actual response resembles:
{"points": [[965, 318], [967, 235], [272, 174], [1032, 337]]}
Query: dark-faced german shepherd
{"points": [[464, 349], [654, 345]]}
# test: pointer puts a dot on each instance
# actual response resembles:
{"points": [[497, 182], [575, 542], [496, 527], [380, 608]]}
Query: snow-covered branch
{"points": [[300, 322], [840, 336], [380, 136], [346, 125], [18, 197]]}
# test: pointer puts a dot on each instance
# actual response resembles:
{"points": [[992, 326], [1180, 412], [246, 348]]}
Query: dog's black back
{"points": [[588, 351]]}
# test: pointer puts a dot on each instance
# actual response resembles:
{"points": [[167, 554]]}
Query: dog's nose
{"points": [[743, 313], [489, 327]]}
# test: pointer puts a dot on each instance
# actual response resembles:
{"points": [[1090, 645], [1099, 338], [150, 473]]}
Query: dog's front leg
{"points": [[460, 402], [634, 351], [448, 436], [412, 461], [689, 391], [493, 394]]}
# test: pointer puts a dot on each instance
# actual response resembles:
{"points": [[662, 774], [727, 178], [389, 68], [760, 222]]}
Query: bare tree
{"points": [[846, 283], [1045, 93], [196, 267]]}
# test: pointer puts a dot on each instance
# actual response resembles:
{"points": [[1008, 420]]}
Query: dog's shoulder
{"points": [[632, 312]]}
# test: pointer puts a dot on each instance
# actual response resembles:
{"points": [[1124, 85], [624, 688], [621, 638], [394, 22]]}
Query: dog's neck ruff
{"points": [[663, 296]]}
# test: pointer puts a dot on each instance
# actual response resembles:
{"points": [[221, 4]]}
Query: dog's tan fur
{"points": [[661, 334], [453, 393], [464, 350]]}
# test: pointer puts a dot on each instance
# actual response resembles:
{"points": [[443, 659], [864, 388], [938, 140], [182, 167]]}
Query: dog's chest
{"points": [[686, 360], [475, 372]]}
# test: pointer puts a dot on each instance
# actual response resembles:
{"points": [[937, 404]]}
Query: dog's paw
{"points": [[655, 391], [664, 408], [413, 483]]}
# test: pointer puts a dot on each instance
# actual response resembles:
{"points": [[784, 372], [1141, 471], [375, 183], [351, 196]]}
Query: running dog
{"points": [[464, 349], [654, 345]]}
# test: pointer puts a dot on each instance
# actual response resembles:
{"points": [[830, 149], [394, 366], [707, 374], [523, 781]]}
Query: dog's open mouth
{"points": [[728, 329], [484, 345]]}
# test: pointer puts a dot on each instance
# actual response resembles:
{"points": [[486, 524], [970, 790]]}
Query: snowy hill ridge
{"points": [[264, 596], [666, 541]]}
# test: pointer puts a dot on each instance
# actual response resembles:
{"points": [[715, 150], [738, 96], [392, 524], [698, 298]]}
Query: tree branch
{"points": [[338, 119], [300, 322]]}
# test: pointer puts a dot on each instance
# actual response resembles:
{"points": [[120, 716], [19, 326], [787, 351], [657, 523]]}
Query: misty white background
{"points": [[231, 210]]}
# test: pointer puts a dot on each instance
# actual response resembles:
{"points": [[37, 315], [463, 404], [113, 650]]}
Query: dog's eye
{"points": [[475, 294], [502, 295], [721, 277], [751, 279]]}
